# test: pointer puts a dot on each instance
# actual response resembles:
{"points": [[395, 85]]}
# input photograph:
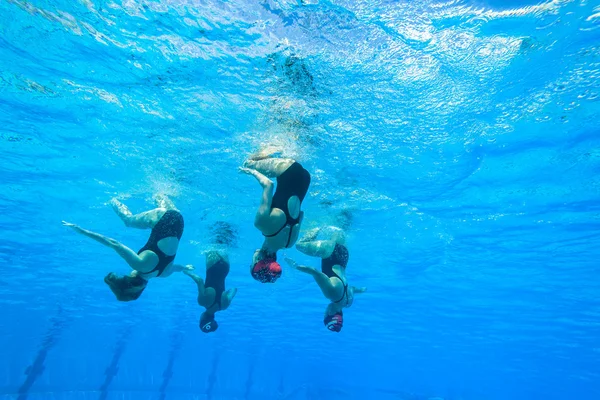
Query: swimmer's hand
{"points": [[183, 268], [291, 262], [244, 170], [72, 226], [301, 268]]}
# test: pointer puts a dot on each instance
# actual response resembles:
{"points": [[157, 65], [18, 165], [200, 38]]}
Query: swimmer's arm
{"points": [[182, 268], [228, 298], [322, 280], [130, 256], [199, 281]]}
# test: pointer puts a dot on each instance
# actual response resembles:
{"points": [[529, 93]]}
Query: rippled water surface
{"points": [[462, 138]]}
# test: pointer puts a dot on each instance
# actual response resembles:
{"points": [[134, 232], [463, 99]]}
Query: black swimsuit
{"points": [[338, 257], [170, 225], [215, 278], [293, 182]]}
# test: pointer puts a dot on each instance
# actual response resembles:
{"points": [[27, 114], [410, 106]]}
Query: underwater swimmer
{"points": [[279, 216], [155, 259], [332, 277], [211, 292]]}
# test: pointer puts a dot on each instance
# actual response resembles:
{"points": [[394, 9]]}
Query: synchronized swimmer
{"points": [[155, 259], [279, 218], [332, 278]]}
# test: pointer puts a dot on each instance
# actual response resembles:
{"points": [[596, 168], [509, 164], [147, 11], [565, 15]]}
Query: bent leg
{"points": [[266, 152], [270, 167], [338, 235], [145, 220], [310, 235], [162, 201], [316, 248]]}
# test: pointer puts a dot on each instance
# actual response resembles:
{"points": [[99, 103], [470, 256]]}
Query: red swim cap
{"points": [[334, 322], [266, 271]]}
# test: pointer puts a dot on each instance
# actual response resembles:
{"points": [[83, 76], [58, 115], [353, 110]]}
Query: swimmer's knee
{"points": [[249, 164]]}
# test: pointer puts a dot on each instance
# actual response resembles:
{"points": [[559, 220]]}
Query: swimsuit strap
{"points": [[344, 295], [345, 289], [215, 279], [169, 225], [277, 233]]}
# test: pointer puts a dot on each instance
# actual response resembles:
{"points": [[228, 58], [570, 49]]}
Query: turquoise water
{"points": [[461, 136]]}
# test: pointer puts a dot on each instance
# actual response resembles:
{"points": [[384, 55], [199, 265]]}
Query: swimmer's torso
{"points": [[163, 243], [214, 286], [282, 228], [334, 267]]}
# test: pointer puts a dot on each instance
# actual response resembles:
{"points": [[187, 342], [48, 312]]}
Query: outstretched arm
{"points": [[182, 268], [228, 298], [322, 280], [136, 262], [199, 281], [356, 290]]}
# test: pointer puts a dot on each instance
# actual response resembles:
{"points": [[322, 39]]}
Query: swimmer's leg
{"points": [[271, 167], [266, 152], [145, 220], [310, 235], [316, 248], [229, 295], [334, 234], [338, 235], [328, 289], [162, 201]]}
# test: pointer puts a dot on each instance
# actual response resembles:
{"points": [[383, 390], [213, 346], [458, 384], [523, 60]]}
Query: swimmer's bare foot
{"points": [[76, 228]]}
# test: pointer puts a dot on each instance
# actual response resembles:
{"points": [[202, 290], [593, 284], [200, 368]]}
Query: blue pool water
{"points": [[462, 137]]}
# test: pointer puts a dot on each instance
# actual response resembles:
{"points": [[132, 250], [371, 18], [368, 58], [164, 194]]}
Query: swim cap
{"points": [[266, 271], [208, 323], [334, 322], [126, 288]]}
